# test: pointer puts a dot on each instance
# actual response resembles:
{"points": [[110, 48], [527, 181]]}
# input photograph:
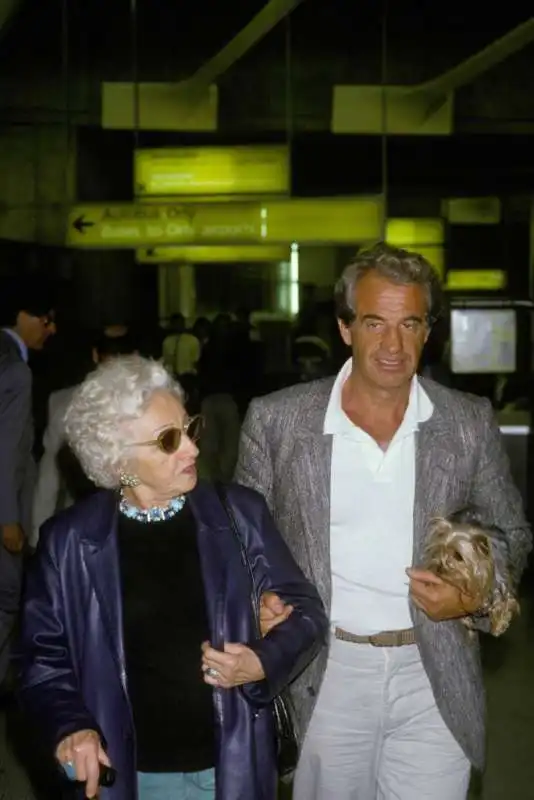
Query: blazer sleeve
{"points": [[15, 410], [254, 463], [48, 687], [292, 645], [496, 495]]}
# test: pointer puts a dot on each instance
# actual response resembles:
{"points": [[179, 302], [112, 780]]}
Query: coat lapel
{"points": [[435, 458], [211, 523], [101, 556], [311, 469]]}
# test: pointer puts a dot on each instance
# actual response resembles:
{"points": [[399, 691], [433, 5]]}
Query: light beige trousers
{"points": [[376, 732]]}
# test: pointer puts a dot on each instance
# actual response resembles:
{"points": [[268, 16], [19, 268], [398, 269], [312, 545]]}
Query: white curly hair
{"points": [[116, 393]]}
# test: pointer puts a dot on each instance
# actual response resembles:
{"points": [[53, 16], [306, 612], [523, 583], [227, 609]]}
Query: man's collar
{"points": [[19, 341], [420, 407]]}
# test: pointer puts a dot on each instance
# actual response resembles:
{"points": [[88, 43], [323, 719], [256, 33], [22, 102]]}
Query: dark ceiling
{"points": [[175, 36]]}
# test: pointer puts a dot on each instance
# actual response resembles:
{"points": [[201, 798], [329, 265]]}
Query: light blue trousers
{"points": [[177, 785]]}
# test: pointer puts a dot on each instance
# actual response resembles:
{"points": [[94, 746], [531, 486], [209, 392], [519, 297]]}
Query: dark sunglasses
{"points": [[169, 440]]}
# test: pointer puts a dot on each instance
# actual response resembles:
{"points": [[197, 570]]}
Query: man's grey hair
{"points": [[396, 265], [97, 419]]}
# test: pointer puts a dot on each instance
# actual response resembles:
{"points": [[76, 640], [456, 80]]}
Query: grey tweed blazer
{"points": [[460, 461]]}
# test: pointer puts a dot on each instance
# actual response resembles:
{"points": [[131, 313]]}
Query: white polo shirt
{"points": [[371, 516]]}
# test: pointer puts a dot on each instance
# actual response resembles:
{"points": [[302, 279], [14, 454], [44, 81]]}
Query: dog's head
{"points": [[460, 553], [472, 557]]}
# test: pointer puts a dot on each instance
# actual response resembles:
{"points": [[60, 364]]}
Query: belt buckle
{"points": [[375, 640]]}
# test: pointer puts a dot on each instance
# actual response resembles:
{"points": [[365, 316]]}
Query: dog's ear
{"points": [[503, 609], [439, 526]]}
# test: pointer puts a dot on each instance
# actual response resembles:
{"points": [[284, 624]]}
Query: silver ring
{"points": [[212, 673]]}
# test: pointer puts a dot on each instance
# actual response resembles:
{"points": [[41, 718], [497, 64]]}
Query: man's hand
{"points": [[438, 599], [13, 537], [85, 752], [238, 664], [273, 611]]}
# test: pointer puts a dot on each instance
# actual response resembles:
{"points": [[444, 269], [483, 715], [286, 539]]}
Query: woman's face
{"points": [[162, 475]]}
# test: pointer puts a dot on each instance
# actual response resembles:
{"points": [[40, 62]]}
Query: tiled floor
{"points": [[510, 685]]}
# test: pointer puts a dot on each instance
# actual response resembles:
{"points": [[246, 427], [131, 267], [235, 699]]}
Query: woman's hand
{"points": [[273, 611], [84, 751], [238, 664]]}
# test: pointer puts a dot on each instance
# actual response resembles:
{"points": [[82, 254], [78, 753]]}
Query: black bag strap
{"points": [[223, 497]]}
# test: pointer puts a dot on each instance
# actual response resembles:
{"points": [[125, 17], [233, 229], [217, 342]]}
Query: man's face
{"points": [[389, 332], [35, 330]]}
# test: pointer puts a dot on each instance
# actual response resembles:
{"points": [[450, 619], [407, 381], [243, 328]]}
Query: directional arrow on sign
{"points": [[80, 224]]}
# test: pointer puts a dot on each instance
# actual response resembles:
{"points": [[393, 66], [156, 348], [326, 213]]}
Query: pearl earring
{"points": [[130, 481]]}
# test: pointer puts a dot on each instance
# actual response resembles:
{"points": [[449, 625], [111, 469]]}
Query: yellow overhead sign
{"points": [[476, 280], [213, 254], [317, 221], [472, 210], [423, 235], [132, 226], [349, 220], [194, 171], [409, 232]]}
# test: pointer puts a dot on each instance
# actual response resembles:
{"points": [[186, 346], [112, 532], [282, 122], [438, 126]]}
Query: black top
{"points": [[165, 623]]}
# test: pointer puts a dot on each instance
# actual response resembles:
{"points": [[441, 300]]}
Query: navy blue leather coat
{"points": [[72, 655]]}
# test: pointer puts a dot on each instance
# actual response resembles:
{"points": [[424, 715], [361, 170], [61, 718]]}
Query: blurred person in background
{"points": [[138, 644], [219, 369], [60, 480], [202, 330], [27, 316], [312, 358], [250, 352], [181, 349]]}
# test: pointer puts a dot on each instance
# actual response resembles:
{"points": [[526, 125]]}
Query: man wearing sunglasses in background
{"points": [[26, 321], [61, 480]]}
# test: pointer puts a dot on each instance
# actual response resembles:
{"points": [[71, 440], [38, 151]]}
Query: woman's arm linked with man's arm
{"points": [[299, 632]]}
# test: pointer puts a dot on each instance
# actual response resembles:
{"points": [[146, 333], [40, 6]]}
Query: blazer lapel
{"points": [[101, 555], [436, 455], [310, 473]]}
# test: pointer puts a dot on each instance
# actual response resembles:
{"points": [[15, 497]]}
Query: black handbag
{"points": [[286, 741]]}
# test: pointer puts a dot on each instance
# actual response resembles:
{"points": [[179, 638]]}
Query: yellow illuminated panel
{"points": [[133, 226], [391, 110], [410, 233], [204, 199], [318, 221], [472, 210], [212, 170], [323, 221], [424, 236], [229, 254], [435, 256], [476, 280], [158, 107]]}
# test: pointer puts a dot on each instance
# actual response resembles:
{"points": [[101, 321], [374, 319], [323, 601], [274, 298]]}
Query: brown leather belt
{"points": [[382, 639]]}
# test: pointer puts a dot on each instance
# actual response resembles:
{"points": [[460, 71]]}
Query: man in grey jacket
{"points": [[354, 469], [28, 318]]}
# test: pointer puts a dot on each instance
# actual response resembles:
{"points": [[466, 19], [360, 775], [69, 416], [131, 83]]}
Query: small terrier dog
{"points": [[472, 557]]}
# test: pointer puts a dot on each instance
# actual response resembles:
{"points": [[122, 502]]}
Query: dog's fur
{"points": [[472, 557]]}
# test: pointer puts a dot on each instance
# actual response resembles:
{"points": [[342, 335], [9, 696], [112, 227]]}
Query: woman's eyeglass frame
{"points": [[168, 441]]}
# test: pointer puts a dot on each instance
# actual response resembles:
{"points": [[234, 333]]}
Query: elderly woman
{"points": [[139, 647]]}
